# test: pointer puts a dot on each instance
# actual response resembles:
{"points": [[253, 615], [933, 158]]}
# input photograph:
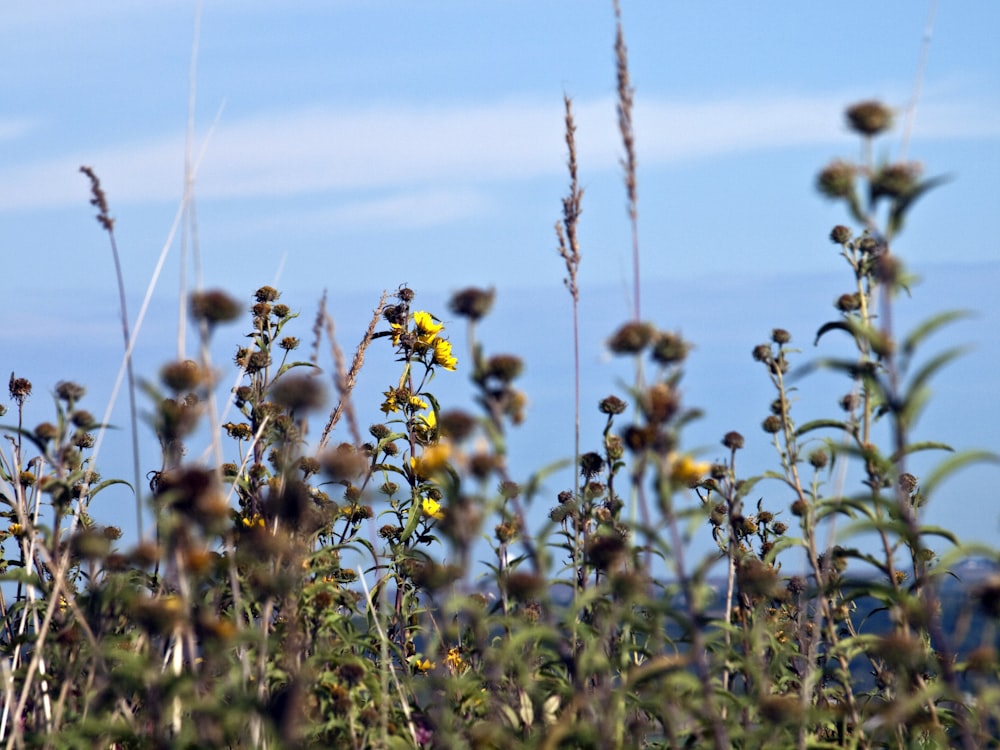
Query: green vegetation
{"points": [[297, 594]]}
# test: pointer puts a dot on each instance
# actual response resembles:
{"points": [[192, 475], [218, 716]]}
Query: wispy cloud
{"points": [[13, 128], [407, 149]]}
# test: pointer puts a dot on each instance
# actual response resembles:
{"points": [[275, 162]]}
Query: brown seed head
{"points": [[836, 180], [733, 440], [214, 306], [869, 118], [840, 235], [472, 303]]}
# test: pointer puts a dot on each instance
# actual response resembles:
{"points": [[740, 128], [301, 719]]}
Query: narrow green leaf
{"points": [[950, 465], [818, 424], [915, 337], [924, 445]]}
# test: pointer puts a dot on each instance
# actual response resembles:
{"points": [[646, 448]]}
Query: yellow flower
{"points": [[423, 665], [432, 508], [454, 660], [433, 459], [443, 356], [427, 327], [15, 529], [254, 520], [390, 404], [685, 470], [429, 419], [397, 333], [417, 403]]}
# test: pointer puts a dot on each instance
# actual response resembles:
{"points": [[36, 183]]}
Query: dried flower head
{"points": [[19, 389], [896, 180], [840, 235], [298, 393], [631, 338], [869, 118], [611, 405], [266, 294], [214, 306], [472, 303], [837, 180], [733, 440], [182, 376], [69, 391]]}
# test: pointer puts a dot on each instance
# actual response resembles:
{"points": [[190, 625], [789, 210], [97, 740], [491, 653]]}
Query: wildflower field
{"points": [[305, 569]]}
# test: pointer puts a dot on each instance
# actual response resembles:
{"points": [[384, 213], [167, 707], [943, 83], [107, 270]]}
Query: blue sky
{"points": [[354, 146]]}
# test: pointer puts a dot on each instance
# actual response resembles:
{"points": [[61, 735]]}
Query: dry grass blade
{"points": [[625, 105], [345, 380]]}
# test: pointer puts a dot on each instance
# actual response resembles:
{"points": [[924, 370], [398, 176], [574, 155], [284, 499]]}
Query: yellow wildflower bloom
{"points": [[443, 356], [390, 404], [433, 459], [454, 660], [427, 327], [423, 665], [430, 419], [254, 520], [397, 333], [432, 508], [417, 403], [685, 470]]}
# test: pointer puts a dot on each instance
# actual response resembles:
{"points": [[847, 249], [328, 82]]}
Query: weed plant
{"points": [[326, 594]]}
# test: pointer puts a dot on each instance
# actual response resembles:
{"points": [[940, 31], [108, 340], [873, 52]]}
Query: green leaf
{"points": [[915, 337], [901, 205], [924, 445], [950, 465], [818, 424], [833, 325]]}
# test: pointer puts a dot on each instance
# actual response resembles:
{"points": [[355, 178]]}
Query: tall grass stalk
{"points": [[100, 201]]}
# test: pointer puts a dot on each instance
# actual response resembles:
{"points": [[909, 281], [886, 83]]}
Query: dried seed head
{"points": [[631, 338], [504, 367], [19, 389], [522, 587], [266, 294], [869, 118], [840, 235], [611, 405], [848, 302], [591, 464], [819, 458], [837, 180], [344, 462], [896, 180], [772, 424], [762, 353], [660, 402], [182, 376], [214, 306], [298, 393], [669, 348], [907, 483], [733, 440], [780, 336], [69, 391], [604, 550], [472, 303]]}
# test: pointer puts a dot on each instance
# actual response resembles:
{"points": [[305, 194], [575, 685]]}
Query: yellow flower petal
{"points": [[443, 356], [686, 470]]}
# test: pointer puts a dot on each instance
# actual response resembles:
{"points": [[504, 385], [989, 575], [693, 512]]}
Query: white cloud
{"points": [[12, 128], [407, 148]]}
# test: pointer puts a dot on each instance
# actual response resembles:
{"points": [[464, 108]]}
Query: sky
{"points": [[356, 146]]}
